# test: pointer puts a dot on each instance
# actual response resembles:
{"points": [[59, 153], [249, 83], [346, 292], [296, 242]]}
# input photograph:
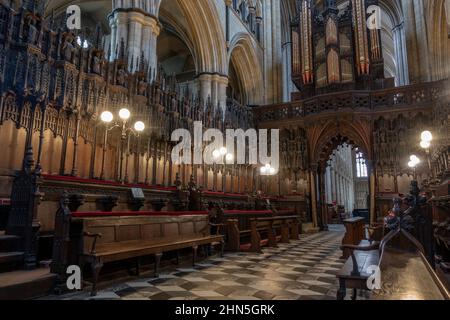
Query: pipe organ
{"points": [[336, 45]]}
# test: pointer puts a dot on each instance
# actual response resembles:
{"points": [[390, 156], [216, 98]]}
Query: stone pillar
{"points": [[213, 86], [372, 191], [401, 55], [313, 179], [204, 80], [333, 185], [136, 24]]}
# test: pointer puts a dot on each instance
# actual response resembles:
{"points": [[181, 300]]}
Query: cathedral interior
{"points": [[338, 158]]}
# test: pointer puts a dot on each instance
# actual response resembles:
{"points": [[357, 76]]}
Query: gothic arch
{"points": [[200, 20], [439, 43], [245, 60], [326, 136], [207, 35]]}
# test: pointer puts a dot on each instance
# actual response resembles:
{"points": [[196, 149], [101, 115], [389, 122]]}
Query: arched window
{"points": [[361, 166]]}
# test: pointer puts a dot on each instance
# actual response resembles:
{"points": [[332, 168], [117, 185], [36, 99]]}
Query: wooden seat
{"points": [[96, 239], [405, 272], [262, 231], [118, 251]]}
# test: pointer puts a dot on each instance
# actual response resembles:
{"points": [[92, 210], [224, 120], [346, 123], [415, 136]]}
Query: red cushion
{"points": [[218, 193], [248, 212], [137, 214], [104, 182]]}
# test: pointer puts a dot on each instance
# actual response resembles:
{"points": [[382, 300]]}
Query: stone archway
{"points": [[246, 63], [323, 138]]}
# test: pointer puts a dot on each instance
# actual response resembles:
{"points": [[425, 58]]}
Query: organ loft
{"points": [[140, 133]]}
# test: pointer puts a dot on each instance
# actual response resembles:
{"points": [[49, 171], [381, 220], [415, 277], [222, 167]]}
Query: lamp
{"points": [[414, 161], [139, 126], [223, 157], [124, 114], [425, 144], [426, 136], [268, 170], [216, 154], [107, 117], [229, 157]]}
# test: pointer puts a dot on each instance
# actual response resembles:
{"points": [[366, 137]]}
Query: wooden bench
{"points": [[288, 228], [238, 224], [399, 257], [97, 238]]}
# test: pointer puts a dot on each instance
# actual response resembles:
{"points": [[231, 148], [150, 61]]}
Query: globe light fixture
{"points": [[216, 154], [223, 151], [139, 126], [107, 117], [229, 157], [426, 136], [425, 144], [268, 170], [414, 159], [124, 114]]}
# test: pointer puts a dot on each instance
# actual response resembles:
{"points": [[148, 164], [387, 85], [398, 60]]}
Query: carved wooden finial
{"points": [[28, 161]]}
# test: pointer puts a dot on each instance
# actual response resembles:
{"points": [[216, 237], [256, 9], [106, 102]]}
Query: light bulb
{"points": [[272, 171], [427, 136], [229, 157], [139, 126], [107, 117], [425, 144], [124, 114], [411, 164], [223, 151], [216, 154], [414, 159], [268, 166], [263, 170]]}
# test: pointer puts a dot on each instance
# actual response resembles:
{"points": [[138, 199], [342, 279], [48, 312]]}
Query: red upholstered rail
{"points": [[104, 182], [256, 212], [248, 212], [215, 193], [138, 214]]}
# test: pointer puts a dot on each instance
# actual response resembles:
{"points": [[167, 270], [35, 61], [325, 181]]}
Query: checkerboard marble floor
{"points": [[301, 270]]}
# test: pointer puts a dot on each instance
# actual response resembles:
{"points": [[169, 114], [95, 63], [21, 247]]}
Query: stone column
{"points": [[333, 185], [372, 191], [137, 25], [401, 55], [204, 80], [213, 86], [313, 179]]}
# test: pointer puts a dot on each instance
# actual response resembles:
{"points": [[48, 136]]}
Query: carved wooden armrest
{"points": [[219, 227], [374, 246], [95, 236]]}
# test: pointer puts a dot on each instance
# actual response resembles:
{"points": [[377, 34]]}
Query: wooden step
{"points": [[9, 243], [10, 261], [25, 285]]}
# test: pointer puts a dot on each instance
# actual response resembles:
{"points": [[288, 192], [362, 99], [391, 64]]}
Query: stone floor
{"points": [[303, 269]]}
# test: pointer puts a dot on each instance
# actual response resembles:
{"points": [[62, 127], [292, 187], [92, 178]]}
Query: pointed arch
{"points": [[247, 64], [207, 35]]}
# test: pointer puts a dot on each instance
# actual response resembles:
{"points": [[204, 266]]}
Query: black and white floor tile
{"points": [[301, 270]]}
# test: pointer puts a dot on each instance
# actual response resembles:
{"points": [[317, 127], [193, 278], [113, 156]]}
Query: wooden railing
{"points": [[398, 97]]}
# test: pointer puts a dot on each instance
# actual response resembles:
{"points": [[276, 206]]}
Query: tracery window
{"points": [[361, 166]]}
